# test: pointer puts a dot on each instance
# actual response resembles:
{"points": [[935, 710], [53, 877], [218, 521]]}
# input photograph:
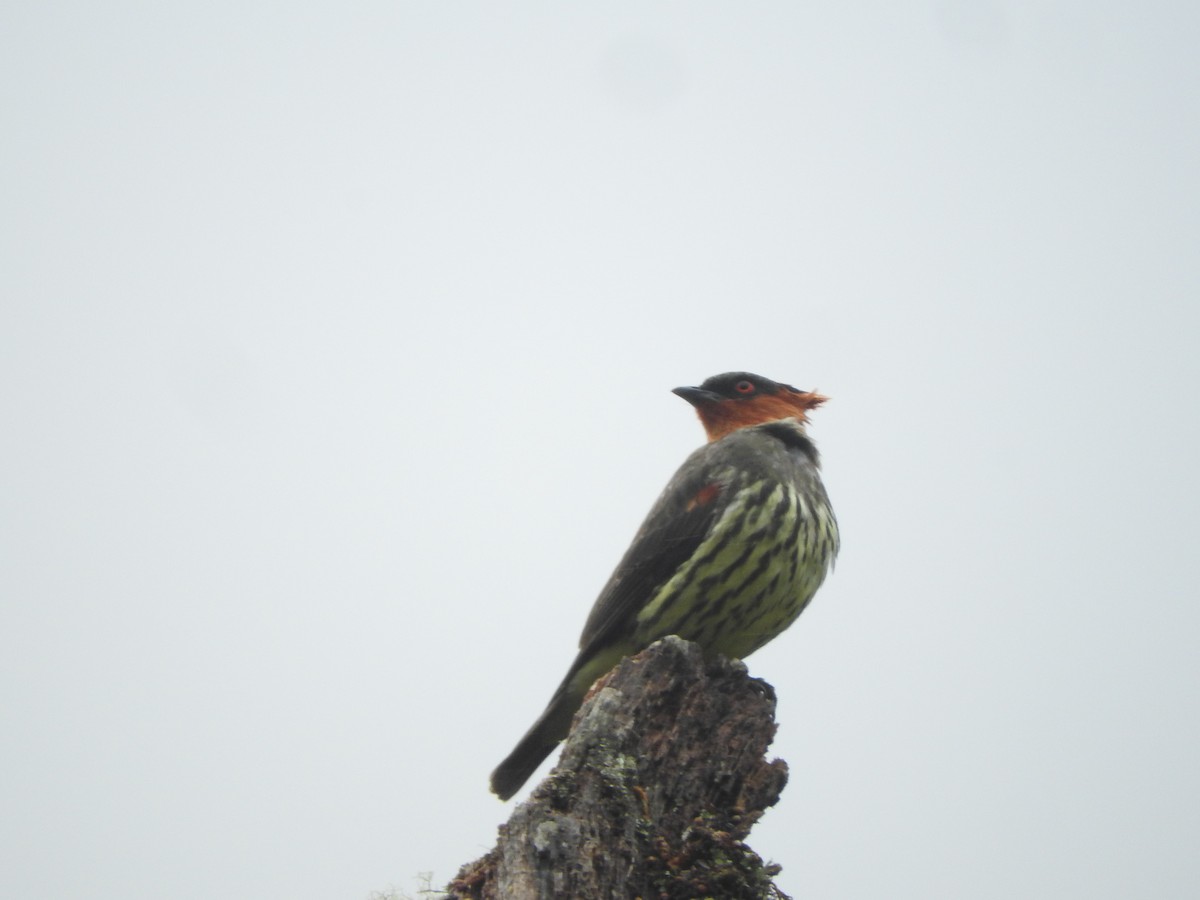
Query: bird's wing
{"points": [[673, 530]]}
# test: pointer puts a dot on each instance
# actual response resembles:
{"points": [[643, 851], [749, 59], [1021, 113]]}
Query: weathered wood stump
{"points": [[659, 783]]}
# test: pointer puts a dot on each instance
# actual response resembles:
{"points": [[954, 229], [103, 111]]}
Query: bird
{"points": [[729, 555]]}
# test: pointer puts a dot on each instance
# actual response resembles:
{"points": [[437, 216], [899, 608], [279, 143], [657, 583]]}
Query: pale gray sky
{"points": [[335, 363]]}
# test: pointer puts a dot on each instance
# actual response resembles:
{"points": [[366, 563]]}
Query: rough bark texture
{"points": [[659, 783]]}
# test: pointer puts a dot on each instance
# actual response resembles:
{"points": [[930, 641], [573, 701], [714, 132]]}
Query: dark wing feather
{"points": [[673, 530]]}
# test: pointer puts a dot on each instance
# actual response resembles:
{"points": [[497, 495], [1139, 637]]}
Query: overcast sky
{"points": [[336, 348]]}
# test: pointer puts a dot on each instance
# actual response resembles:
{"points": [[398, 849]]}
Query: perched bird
{"points": [[728, 557]]}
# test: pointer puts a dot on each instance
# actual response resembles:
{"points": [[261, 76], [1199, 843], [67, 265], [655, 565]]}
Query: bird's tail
{"points": [[539, 742]]}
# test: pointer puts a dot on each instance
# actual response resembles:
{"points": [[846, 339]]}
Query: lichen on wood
{"points": [[660, 781]]}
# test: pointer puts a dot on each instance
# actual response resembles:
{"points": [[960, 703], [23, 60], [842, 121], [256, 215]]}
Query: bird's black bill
{"points": [[696, 396]]}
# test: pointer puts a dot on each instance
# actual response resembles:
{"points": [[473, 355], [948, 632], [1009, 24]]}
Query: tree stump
{"points": [[659, 783]]}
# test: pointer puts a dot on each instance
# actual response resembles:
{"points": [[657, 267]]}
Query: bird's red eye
{"points": [[744, 387]]}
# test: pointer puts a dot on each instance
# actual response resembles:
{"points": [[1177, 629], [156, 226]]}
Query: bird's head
{"points": [[736, 400]]}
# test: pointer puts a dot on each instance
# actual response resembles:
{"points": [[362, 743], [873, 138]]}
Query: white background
{"points": [[335, 357]]}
